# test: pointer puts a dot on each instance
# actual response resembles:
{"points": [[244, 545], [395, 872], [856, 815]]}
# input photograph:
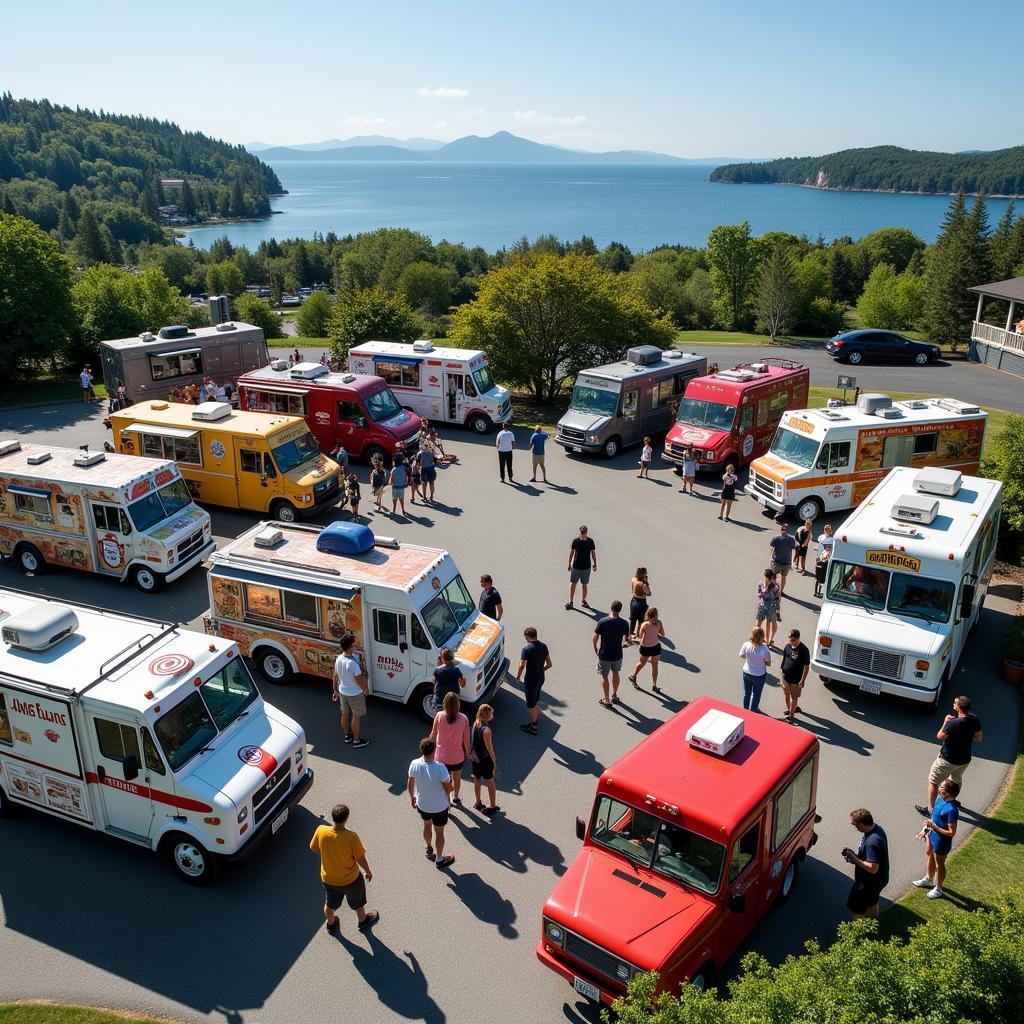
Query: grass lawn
{"points": [[291, 343], [51, 1013], [46, 392]]}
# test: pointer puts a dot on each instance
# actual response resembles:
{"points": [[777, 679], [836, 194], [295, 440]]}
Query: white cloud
{"points": [[441, 124], [443, 92], [536, 117], [363, 121]]}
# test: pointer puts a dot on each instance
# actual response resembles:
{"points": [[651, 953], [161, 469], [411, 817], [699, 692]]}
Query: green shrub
{"points": [[1015, 640]]}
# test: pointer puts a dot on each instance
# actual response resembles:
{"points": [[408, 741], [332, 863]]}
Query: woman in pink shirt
{"points": [[451, 734]]}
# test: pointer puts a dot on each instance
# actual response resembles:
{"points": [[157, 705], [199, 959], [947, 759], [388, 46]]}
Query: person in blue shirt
{"points": [[537, 439], [938, 832]]}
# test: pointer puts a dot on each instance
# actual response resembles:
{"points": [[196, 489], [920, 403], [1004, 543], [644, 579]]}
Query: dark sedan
{"points": [[867, 346]]}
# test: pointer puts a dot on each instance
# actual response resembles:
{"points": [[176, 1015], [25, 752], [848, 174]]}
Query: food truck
{"points": [[358, 411], [906, 583], [446, 385], [150, 733], [286, 594], [619, 404], [128, 518], [150, 365], [248, 460], [730, 416], [694, 834], [828, 460]]}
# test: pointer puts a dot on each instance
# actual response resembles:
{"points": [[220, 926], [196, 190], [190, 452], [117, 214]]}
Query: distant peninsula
{"points": [[998, 172]]}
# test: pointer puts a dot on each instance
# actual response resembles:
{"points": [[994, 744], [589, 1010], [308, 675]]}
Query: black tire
{"points": [[422, 700], [612, 447], [931, 706], [189, 859], [273, 666], [809, 508], [149, 581], [29, 559], [375, 449], [855, 358], [284, 511], [789, 878], [922, 358], [480, 424], [704, 977]]}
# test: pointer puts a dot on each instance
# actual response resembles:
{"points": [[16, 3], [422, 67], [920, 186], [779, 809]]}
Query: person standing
{"points": [[399, 478], [756, 658], [729, 481], [428, 470], [448, 678], [958, 732], [505, 442], [85, 377], [803, 540], [378, 479], [782, 546], [415, 477], [582, 561], [537, 439], [490, 600], [938, 832], [646, 455], [485, 763], [428, 789], [640, 590], [609, 635], [650, 633], [689, 470], [534, 661], [824, 552], [354, 494], [341, 856], [340, 456], [870, 865], [451, 734], [796, 663], [350, 689], [767, 613]]}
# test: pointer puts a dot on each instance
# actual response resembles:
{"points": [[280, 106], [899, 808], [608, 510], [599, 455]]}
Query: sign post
{"points": [[847, 384]]}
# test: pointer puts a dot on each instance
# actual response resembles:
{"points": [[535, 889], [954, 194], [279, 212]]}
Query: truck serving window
{"points": [[931, 600], [383, 405], [858, 584], [402, 375], [696, 412], [180, 364], [792, 804], [794, 447], [6, 732], [185, 730], [483, 378], [229, 693], [670, 849], [293, 454], [595, 401]]}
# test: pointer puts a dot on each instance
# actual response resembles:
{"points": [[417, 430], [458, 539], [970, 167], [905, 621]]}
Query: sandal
{"points": [[478, 806], [604, 703], [430, 853], [632, 679], [491, 811], [444, 862]]}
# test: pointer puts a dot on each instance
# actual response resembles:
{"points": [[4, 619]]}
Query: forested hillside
{"points": [[999, 172], [56, 162]]}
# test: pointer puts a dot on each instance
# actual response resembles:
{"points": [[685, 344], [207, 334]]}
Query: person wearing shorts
{"points": [[354, 495], [378, 480], [485, 763], [537, 439], [689, 471], [350, 690], [451, 734], [782, 546], [341, 856], [429, 786], [428, 469], [958, 732], [609, 635], [871, 865], [938, 832], [582, 561], [649, 634], [534, 661], [399, 479]]}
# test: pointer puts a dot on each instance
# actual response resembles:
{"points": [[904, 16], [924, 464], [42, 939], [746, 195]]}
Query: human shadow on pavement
{"points": [[584, 1012], [563, 488], [831, 732], [635, 718], [448, 510], [507, 843], [398, 981], [677, 659], [484, 902], [579, 762]]}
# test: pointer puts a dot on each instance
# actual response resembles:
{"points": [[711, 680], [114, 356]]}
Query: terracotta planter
{"points": [[1013, 671]]}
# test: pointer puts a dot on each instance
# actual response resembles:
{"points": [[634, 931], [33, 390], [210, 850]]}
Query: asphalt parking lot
{"points": [[89, 919]]}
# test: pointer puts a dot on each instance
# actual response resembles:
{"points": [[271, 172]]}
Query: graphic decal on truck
{"points": [[111, 551], [257, 757], [170, 665]]}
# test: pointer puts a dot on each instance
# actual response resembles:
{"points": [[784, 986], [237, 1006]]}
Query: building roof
{"points": [[1012, 289], [196, 334], [113, 471], [179, 414]]}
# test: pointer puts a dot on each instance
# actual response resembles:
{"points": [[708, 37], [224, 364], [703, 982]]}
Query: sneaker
{"points": [[584, 603], [456, 801], [363, 742], [529, 727], [348, 737], [369, 921], [922, 810], [332, 928], [568, 605], [936, 893], [923, 883]]}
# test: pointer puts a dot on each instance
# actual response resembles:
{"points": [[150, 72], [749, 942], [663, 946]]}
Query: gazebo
{"points": [[1002, 347]]}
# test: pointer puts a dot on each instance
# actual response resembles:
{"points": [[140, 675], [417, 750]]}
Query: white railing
{"points": [[993, 335]]}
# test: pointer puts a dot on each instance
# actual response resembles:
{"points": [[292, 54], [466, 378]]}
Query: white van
{"points": [[906, 583], [150, 733], [446, 385], [118, 515], [286, 597]]}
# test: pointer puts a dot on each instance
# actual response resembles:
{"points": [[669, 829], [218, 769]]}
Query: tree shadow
{"points": [[485, 903]]}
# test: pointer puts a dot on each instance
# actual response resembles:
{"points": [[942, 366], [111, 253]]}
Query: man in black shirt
{"points": [[534, 661], [490, 599], [609, 634], [796, 663], [958, 733], [582, 560], [871, 865]]}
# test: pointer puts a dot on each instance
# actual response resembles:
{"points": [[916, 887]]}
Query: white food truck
{"points": [[117, 515], [906, 583], [150, 733], [446, 385], [287, 593]]}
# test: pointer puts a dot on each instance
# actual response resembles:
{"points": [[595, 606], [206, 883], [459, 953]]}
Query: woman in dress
{"points": [[729, 480], [767, 614], [485, 764], [650, 634], [689, 469], [756, 658], [639, 592], [451, 734]]}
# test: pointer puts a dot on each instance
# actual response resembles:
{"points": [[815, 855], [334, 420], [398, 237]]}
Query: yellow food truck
{"points": [[251, 460]]}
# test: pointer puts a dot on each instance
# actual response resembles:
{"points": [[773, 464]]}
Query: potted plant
{"points": [[1013, 661]]}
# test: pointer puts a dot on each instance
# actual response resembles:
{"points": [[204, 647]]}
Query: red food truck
{"points": [[694, 834], [731, 415], [357, 410]]}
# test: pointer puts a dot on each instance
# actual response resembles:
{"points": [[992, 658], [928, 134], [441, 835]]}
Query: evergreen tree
{"points": [[998, 245], [91, 245], [7, 206], [148, 201], [186, 201], [776, 298]]}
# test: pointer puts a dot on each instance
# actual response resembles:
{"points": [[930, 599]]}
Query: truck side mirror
{"points": [[403, 646], [581, 828], [738, 902], [967, 593], [131, 767]]}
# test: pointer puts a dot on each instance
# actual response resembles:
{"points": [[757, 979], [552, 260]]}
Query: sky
{"points": [[746, 79]]}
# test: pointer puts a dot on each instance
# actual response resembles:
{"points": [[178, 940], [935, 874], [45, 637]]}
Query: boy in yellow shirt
{"points": [[341, 857]]}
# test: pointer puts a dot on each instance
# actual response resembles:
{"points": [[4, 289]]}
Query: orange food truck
{"points": [[694, 834]]}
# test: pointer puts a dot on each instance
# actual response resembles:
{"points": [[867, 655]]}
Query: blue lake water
{"points": [[494, 205]]}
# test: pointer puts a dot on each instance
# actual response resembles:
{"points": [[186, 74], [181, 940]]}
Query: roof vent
{"points": [[891, 413], [209, 412], [147, 336], [226, 326], [944, 482], [387, 542], [716, 731], [644, 355], [831, 415], [759, 367], [836, 403], [85, 459], [268, 537], [348, 378], [39, 458], [159, 406], [423, 345], [39, 628], [955, 405], [279, 364], [672, 353], [308, 371], [6, 447], [176, 331], [739, 375], [915, 508], [915, 404], [869, 404]]}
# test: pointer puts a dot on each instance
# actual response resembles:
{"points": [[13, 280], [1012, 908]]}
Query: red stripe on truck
{"points": [[158, 795]]}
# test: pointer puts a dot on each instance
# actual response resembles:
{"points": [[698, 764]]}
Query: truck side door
{"points": [[112, 537], [743, 888], [122, 775], [389, 661], [454, 397]]}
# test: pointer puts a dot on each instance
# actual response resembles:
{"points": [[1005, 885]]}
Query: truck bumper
{"points": [[570, 975], [762, 499], [577, 447], [836, 674], [489, 691], [198, 557], [265, 828]]}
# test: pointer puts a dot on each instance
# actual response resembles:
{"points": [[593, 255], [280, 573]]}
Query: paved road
{"points": [[89, 919]]}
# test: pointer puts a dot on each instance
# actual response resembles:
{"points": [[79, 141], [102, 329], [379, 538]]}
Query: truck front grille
{"points": [[763, 485], [270, 794], [576, 436], [188, 547], [888, 664], [492, 666], [593, 956]]}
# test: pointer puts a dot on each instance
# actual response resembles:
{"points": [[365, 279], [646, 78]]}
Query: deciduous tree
{"points": [[776, 298], [734, 257], [314, 315], [370, 313], [252, 310], [891, 301]]}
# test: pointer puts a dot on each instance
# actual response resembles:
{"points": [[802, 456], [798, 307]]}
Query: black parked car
{"points": [[867, 346]]}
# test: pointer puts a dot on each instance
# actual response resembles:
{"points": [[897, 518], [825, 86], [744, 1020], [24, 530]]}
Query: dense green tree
{"points": [[186, 200], [252, 310], [367, 314], [224, 278], [616, 257], [428, 288], [314, 315], [1005, 462], [775, 301], [895, 246], [734, 257], [36, 315], [841, 275], [1006, 246], [891, 301], [699, 295], [91, 243]]}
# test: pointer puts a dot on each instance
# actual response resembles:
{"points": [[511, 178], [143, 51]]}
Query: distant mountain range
{"points": [[501, 147]]}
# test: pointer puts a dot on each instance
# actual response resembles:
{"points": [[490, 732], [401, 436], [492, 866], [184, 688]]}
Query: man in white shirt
{"points": [[86, 378], [429, 787], [351, 688], [505, 442]]}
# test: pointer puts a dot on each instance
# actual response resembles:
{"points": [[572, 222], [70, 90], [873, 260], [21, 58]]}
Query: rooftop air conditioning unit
{"points": [[177, 331], [348, 378], [915, 508], [716, 731], [6, 447], [85, 459], [759, 367], [147, 336], [836, 403], [228, 326], [39, 628], [209, 412], [945, 482], [672, 353], [891, 413], [308, 371], [869, 404], [268, 537], [279, 364], [955, 405], [423, 345], [39, 458], [741, 375], [644, 355]]}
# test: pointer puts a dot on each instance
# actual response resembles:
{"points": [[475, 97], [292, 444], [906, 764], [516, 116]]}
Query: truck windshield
{"points": [[794, 447], [670, 849], [229, 693], [158, 505], [383, 405], [175, 496], [447, 610], [931, 600], [698, 413], [595, 401], [483, 378], [858, 584], [293, 454]]}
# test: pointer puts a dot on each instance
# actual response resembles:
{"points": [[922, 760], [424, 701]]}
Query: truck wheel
{"points": [[809, 508], [274, 667], [189, 860], [704, 978], [29, 559], [423, 702], [931, 706], [789, 879], [611, 447], [480, 424], [369, 454], [147, 580], [284, 511]]}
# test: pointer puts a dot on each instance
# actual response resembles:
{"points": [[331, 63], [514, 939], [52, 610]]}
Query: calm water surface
{"points": [[494, 205]]}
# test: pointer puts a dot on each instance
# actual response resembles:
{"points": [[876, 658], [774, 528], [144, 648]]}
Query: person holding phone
{"points": [[870, 865]]}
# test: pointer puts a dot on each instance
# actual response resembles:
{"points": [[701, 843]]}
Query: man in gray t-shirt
{"points": [[429, 788], [782, 546]]}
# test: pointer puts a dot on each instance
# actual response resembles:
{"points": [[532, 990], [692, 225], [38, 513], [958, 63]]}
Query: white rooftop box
{"points": [[932, 480], [211, 411], [308, 371], [915, 508], [717, 732], [38, 628]]}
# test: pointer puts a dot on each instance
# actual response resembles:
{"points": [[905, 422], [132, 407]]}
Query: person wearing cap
{"points": [[582, 561]]}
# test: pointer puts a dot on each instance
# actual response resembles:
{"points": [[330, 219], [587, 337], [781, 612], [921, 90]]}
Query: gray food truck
{"points": [[617, 405], [150, 365]]}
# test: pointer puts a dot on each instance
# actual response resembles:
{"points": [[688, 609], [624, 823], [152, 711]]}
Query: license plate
{"points": [[870, 686], [279, 820], [586, 989], [578, 448]]}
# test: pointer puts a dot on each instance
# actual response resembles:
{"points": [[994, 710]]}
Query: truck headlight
{"points": [[622, 972], [554, 933], [593, 438], [243, 814], [778, 490]]}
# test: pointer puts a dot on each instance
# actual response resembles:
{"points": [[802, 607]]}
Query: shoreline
{"points": [[875, 191]]}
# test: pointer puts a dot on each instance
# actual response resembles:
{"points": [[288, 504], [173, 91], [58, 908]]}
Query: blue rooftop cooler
{"points": [[345, 539]]}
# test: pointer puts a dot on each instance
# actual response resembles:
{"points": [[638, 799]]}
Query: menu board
{"points": [[38, 786]]}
